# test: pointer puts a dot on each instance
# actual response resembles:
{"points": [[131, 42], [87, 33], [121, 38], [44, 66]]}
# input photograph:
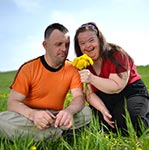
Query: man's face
{"points": [[57, 46]]}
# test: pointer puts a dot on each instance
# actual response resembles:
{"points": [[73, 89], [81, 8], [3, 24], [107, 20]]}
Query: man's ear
{"points": [[44, 44]]}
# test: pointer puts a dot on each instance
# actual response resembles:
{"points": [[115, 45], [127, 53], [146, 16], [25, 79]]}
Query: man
{"points": [[36, 101]]}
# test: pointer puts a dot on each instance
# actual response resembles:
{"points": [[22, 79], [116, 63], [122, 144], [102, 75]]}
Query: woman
{"points": [[113, 79]]}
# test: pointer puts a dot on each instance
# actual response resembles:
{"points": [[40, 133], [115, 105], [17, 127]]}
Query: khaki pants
{"points": [[14, 125]]}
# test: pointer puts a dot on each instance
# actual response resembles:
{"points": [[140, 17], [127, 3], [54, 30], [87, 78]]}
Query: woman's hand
{"points": [[107, 117], [85, 76], [96, 102]]}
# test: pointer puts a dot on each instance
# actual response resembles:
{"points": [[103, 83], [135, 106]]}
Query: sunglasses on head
{"points": [[89, 26]]}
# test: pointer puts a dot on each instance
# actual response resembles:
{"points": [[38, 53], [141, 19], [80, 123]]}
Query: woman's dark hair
{"points": [[106, 49], [52, 27]]}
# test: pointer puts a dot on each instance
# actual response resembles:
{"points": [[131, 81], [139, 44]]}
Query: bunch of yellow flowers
{"points": [[82, 62]]}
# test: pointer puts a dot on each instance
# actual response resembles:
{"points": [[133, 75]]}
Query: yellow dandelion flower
{"points": [[88, 59], [107, 137], [82, 62], [139, 148], [33, 148], [75, 61]]}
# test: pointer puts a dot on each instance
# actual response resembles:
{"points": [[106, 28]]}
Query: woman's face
{"points": [[89, 44]]}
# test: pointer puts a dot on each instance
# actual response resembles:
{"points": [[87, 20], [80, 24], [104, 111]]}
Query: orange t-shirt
{"points": [[43, 86]]}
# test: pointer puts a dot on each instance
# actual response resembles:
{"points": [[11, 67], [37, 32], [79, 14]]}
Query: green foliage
{"points": [[6, 79], [92, 137], [144, 72]]}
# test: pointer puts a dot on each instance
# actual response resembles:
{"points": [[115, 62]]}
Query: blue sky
{"points": [[124, 22]]}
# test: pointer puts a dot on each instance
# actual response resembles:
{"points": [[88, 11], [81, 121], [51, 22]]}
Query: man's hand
{"points": [[43, 119], [64, 118]]}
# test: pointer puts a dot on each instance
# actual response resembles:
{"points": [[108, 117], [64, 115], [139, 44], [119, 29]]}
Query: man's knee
{"points": [[83, 117]]}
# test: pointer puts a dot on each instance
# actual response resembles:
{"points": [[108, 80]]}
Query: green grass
{"points": [[144, 72], [91, 138], [6, 79]]}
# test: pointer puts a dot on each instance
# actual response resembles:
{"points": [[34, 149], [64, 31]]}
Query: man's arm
{"points": [[64, 117], [78, 101], [41, 119], [15, 103]]}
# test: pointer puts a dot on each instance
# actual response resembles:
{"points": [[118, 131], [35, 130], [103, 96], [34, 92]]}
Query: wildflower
{"points": [[107, 137], [82, 62], [33, 148], [3, 95], [139, 148]]}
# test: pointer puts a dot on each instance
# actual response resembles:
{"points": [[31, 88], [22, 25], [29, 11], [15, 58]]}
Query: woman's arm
{"points": [[97, 103], [111, 85]]}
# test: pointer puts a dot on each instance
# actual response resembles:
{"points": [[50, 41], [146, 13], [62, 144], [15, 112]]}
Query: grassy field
{"points": [[91, 138]]}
